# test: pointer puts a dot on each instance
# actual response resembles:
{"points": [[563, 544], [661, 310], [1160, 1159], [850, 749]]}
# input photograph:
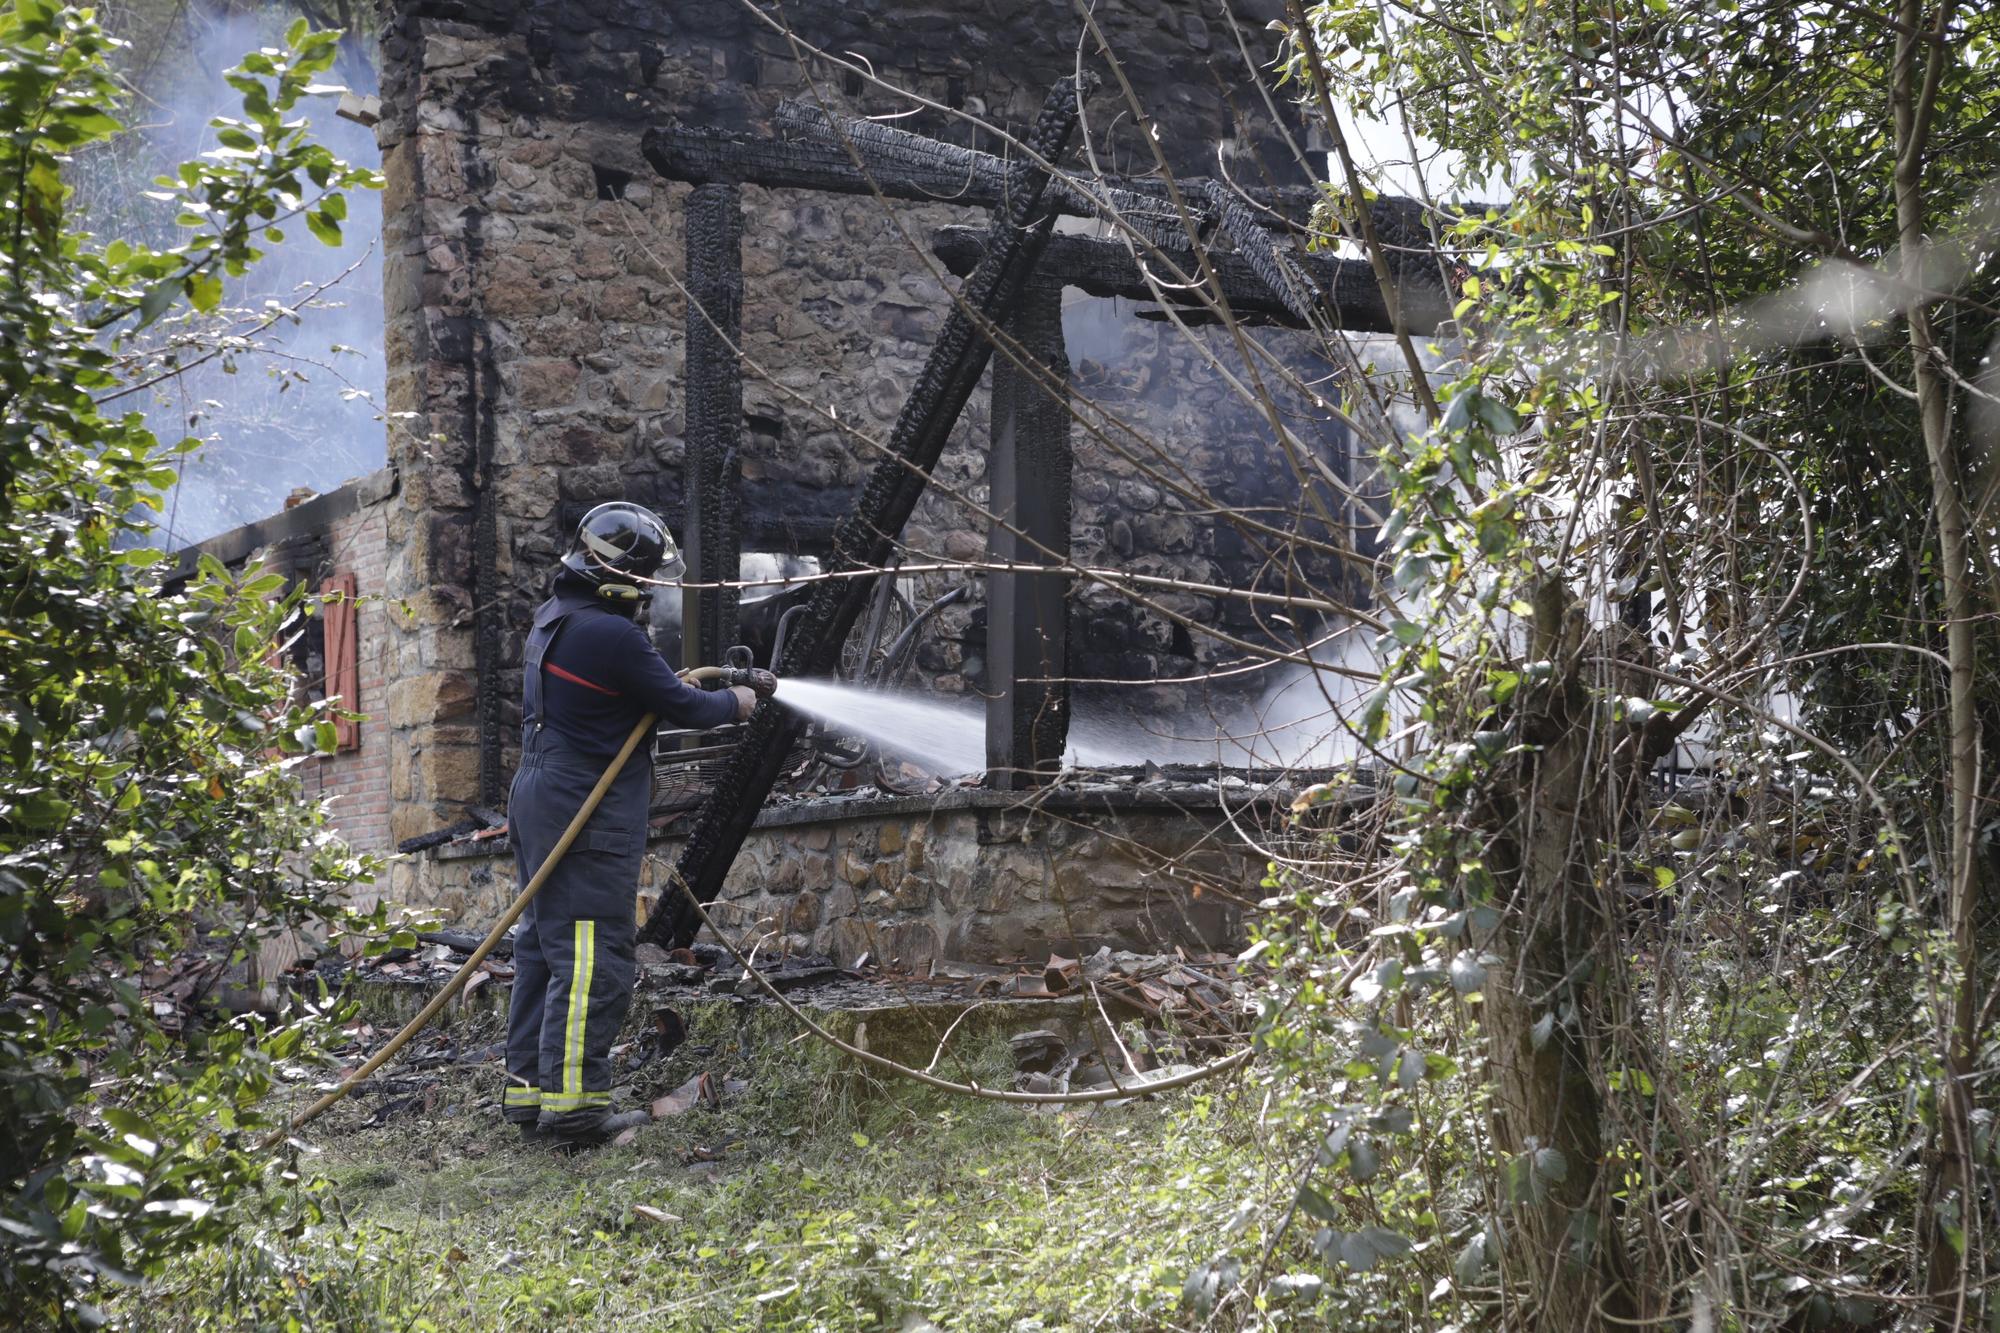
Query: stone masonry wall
{"points": [[983, 885], [975, 877]]}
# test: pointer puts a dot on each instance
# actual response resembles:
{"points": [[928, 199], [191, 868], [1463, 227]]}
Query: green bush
{"points": [[148, 809]]}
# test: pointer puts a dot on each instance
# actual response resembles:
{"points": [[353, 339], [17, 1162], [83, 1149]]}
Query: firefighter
{"points": [[591, 673]]}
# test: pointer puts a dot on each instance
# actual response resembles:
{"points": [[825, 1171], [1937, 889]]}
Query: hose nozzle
{"points": [[739, 669], [756, 679]]}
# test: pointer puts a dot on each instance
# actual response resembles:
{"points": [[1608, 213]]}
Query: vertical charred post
{"points": [[866, 537], [714, 427], [1028, 481], [489, 608]]}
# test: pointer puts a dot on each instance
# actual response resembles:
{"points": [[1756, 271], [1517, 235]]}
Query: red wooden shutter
{"points": [[343, 654]]}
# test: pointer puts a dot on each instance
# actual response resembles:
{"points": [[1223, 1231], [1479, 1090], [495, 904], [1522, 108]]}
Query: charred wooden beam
{"points": [[703, 156], [1274, 265], [902, 165], [1281, 266], [866, 537], [1027, 615], [884, 147], [1345, 287], [714, 429]]}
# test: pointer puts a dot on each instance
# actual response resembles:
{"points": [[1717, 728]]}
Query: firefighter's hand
{"points": [[746, 701]]}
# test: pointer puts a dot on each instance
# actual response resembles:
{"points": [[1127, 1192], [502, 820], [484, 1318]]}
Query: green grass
{"points": [[838, 1202]]}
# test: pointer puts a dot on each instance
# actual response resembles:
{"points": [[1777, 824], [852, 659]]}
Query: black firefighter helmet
{"points": [[620, 546]]}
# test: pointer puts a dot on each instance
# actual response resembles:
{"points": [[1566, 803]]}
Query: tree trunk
{"points": [[1951, 1212], [1539, 1003]]}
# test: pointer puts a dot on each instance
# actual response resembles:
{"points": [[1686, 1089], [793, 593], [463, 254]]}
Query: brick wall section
{"points": [[358, 780]]}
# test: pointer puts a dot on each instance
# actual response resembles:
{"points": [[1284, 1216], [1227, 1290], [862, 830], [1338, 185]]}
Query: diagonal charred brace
{"points": [[865, 539]]}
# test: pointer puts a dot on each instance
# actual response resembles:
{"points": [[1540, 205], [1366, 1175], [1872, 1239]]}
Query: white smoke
{"points": [[300, 403]]}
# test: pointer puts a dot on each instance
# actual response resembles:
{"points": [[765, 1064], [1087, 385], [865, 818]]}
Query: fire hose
{"points": [[729, 676]]}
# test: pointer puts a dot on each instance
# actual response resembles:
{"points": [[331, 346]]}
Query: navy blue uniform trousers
{"points": [[573, 950]]}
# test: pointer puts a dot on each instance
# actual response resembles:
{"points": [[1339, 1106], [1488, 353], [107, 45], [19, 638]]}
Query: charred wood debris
{"points": [[1132, 1015]]}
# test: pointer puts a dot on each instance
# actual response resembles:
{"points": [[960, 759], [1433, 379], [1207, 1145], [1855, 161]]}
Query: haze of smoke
{"points": [[268, 435], [1301, 719]]}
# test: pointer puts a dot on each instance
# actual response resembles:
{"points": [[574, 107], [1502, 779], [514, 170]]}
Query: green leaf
{"points": [[1317, 1205], [204, 291], [1496, 415], [1362, 1249], [157, 301], [1496, 533], [1375, 714], [129, 1123], [1472, 1259], [1468, 974], [1362, 1159]]}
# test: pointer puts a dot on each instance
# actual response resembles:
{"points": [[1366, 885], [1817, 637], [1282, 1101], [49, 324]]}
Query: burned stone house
{"points": [[663, 253]]}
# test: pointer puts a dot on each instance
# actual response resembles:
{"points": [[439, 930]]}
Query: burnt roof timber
{"points": [[908, 166], [1346, 287], [310, 517], [884, 146]]}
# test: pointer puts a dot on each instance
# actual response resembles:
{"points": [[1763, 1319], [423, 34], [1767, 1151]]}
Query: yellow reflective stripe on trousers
{"points": [[582, 963], [567, 1101], [520, 1096]]}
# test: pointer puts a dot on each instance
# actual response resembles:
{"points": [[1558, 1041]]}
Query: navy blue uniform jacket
{"points": [[602, 673]]}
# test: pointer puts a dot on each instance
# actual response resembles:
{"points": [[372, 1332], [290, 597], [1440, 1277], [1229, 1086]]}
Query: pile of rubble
{"points": [[1150, 1016], [1127, 1019], [1206, 995]]}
